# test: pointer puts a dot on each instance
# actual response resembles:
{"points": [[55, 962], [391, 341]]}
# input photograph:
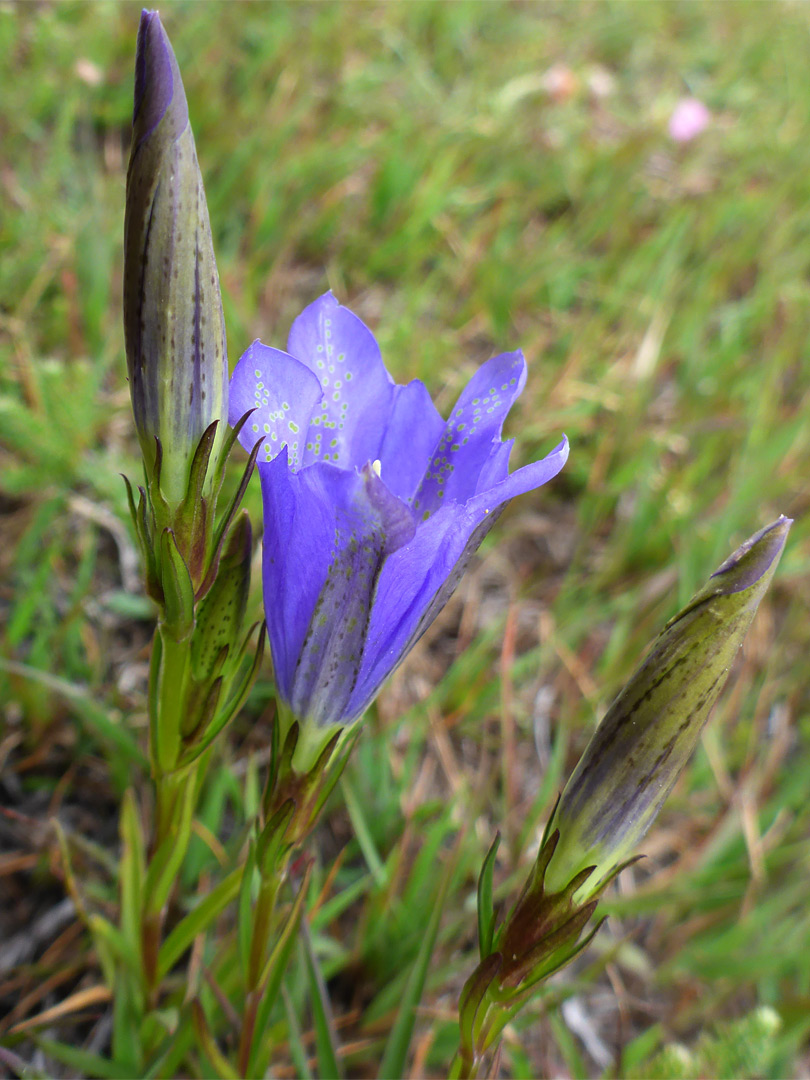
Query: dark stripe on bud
{"points": [[652, 728]]}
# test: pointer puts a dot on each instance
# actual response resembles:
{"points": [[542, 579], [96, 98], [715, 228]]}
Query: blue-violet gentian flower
{"points": [[373, 504]]}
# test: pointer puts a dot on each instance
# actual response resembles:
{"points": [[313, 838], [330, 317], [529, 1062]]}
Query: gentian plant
{"points": [[373, 506], [197, 563]]}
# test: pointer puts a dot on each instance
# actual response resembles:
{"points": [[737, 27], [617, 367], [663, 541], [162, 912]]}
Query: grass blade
{"points": [[84, 1062], [399, 1039], [298, 1051], [325, 1038], [196, 921]]}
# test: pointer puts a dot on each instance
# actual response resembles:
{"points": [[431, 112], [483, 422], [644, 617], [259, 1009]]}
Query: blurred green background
{"points": [[470, 178]]}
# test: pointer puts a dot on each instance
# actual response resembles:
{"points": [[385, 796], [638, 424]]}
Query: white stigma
{"points": [[377, 467]]}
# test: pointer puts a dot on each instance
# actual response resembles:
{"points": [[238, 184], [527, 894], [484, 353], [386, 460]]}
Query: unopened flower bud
{"points": [[648, 734], [173, 322]]}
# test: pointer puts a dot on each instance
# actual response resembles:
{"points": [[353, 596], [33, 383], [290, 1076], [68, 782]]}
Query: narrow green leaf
{"points": [[298, 1051], [169, 856], [101, 724], [399, 1039], [233, 704], [133, 513], [568, 1049], [273, 974], [220, 613], [133, 870], [194, 505], [227, 447], [486, 913], [251, 789], [270, 975], [325, 1038], [128, 1010], [244, 926], [336, 905], [198, 920], [168, 697], [109, 940], [472, 996], [227, 518], [207, 1042], [84, 1061], [169, 1057], [363, 833]]}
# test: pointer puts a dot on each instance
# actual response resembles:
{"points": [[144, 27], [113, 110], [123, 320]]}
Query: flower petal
{"points": [[284, 394], [357, 391], [417, 580], [531, 476], [474, 425], [413, 431], [496, 467], [333, 528]]}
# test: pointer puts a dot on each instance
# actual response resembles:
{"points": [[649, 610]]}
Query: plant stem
{"points": [[175, 795], [262, 925]]}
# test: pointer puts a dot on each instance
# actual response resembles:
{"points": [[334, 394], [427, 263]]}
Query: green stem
{"points": [[175, 794], [463, 1067], [171, 660], [252, 1003], [262, 926]]}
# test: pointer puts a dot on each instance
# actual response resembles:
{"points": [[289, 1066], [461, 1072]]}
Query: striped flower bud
{"points": [[648, 734], [173, 322]]}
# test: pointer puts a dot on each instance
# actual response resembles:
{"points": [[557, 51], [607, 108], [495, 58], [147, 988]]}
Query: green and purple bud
{"points": [[197, 561], [173, 321], [615, 793], [651, 729]]}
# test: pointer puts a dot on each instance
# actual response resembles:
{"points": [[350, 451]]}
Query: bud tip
{"points": [[157, 79], [754, 557]]}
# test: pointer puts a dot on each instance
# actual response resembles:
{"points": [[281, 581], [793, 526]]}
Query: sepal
{"points": [[542, 932], [307, 789], [219, 535], [272, 844], [143, 534], [221, 612], [193, 522], [178, 591], [231, 693], [230, 441]]}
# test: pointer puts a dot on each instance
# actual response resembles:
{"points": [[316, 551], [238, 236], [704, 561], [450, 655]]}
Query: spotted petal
{"points": [[283, 393], [475, 424], [357, 391]]}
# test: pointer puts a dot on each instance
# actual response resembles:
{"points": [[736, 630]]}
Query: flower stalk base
{"points": [[542, 933]]}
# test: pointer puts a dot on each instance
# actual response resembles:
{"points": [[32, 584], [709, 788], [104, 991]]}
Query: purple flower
{"points": [[373, 504]]}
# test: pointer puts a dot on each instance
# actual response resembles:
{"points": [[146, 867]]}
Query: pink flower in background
{"points": [[688, 119]]}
